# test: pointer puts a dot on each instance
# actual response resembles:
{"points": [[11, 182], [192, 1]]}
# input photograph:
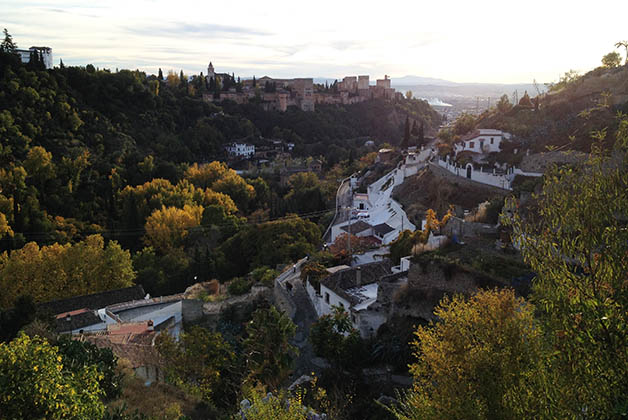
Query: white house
{"points": [[240, 149], [484, 140], [354, 290]]}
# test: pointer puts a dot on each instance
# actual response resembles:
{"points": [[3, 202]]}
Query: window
{"points": [[353, 318], [472, 145], [327, 298], [492, 139], [341, 305]]}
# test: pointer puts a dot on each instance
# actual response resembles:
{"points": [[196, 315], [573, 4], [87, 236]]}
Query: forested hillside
{"points": [[125, 156]]}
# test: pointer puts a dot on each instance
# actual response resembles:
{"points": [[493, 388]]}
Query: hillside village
{"points": [[210, 247]]}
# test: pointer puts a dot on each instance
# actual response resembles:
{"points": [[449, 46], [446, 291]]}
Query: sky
{"points": [[506, 41]]}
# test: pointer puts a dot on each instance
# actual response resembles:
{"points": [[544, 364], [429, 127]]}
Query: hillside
{"points": [[569, 113], [433, 188]]}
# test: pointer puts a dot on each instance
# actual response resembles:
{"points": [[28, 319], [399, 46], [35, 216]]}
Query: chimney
{"points": [[358, 276]]}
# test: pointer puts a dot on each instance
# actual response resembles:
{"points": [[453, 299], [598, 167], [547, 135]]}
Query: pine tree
{"points": [[8, 45], [160, 75], [254, 82], [61, 65]]}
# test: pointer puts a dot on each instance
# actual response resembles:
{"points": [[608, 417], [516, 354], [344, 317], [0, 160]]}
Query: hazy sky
{"points": [[501, 41]]}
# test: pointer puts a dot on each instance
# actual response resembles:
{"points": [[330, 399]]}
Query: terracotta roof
{"points": [[357, 227], [342, 280]]}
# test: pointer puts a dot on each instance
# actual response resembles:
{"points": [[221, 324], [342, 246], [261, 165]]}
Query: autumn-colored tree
{"points": [[406, 241], [204, 176], [267, 346], [477, 361], [578, 248], [340, 247], [139, 202], [272, 407], [219, 177], [34, 383], [167, 228], [60, 271]]}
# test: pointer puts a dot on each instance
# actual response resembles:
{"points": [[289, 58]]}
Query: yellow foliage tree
{"points": [[60, 271], [35, 384], [477, 361], [167, 228]]}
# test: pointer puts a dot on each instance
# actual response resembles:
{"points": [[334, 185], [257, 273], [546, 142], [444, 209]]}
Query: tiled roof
{"points": [[77, 321], [357, 227], [138, 349], [383, 228], [343, 280], [94, 302]]}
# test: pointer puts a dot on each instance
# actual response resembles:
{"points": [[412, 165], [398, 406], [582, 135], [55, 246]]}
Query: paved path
{"points": [[304, 317]]}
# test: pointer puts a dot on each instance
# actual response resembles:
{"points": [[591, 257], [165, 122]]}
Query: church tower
{"points": [[210, 70]]}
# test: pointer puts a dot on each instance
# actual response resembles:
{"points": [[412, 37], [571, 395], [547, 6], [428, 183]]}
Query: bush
{"points": [[239, 286]]}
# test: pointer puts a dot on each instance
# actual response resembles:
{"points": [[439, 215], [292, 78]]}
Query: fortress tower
{"points": [[210, 70]]}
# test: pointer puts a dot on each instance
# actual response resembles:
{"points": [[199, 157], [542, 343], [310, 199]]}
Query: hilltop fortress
{"points": [[279, 94]]}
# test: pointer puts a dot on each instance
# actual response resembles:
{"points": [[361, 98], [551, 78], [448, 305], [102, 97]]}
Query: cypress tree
{"points": [[160, 75], [406, 135]]}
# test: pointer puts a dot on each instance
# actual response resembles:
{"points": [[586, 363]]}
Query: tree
{"points": [[464, 123], [578, 250], [8, 46], [80, 354], [421, 135], [409, 95], [167, 228], [334, 338], [504, 105], [406, 135], [160, 75], [611, 60], [203, 363], [60, 271], [476, 361], [617, 45], [267, 347], [266, 244], [35, 384], [270, 407]]}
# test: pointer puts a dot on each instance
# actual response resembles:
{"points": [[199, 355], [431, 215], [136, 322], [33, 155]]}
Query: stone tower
{"points": [[210, 70]]}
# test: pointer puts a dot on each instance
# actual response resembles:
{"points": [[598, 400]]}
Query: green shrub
{"points": [[239, 286]]}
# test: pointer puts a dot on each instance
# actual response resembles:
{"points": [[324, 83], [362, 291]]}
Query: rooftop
{"points": [[94, 301], [342, 281], [357, 227], [383, 228]]}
